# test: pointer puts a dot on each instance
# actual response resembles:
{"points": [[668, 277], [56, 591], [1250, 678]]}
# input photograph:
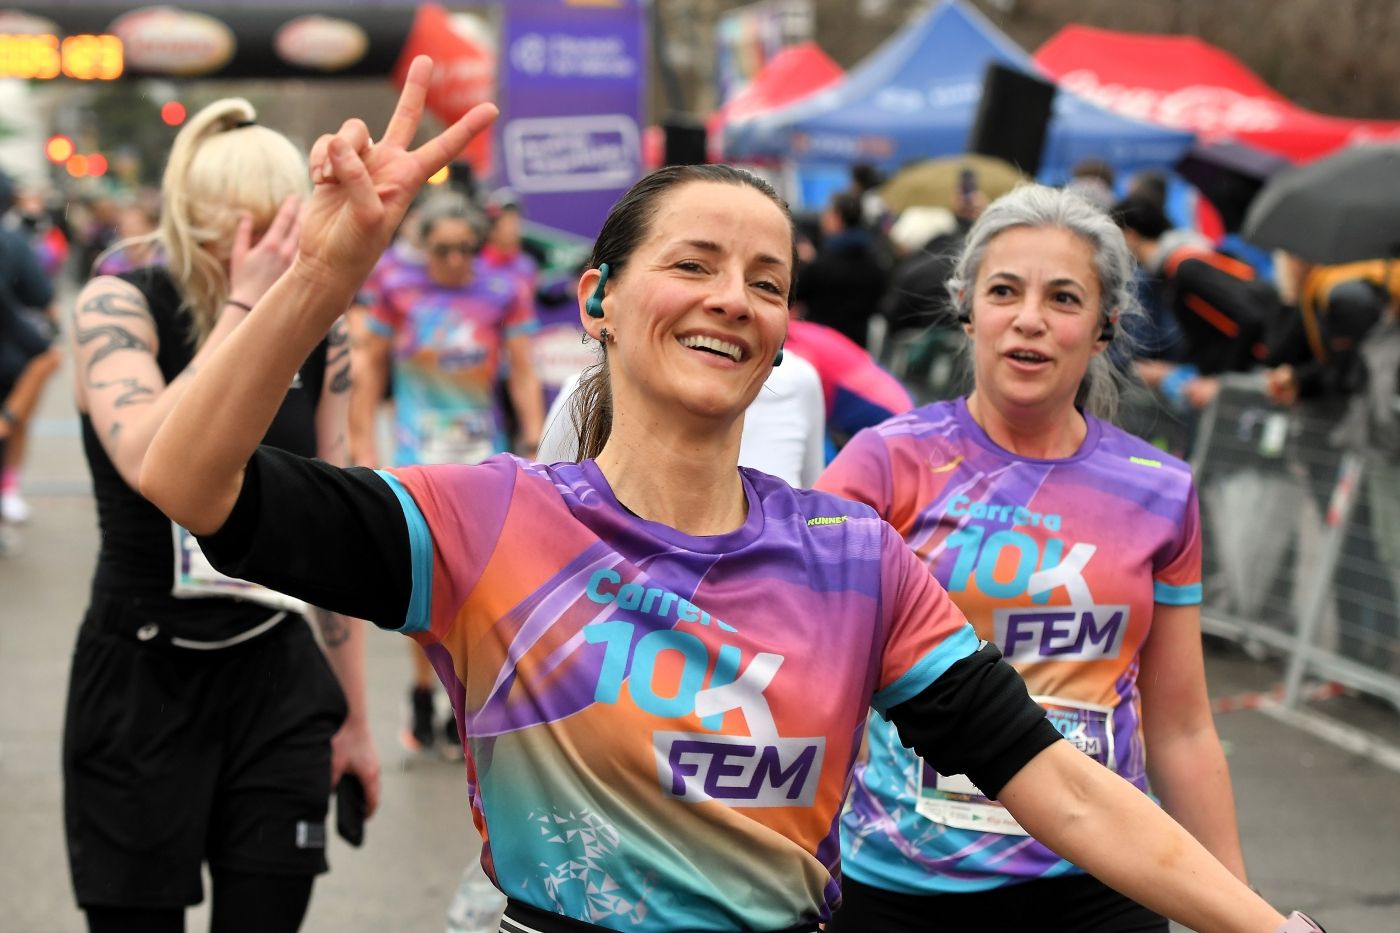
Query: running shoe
{"points": [[13, 508]]}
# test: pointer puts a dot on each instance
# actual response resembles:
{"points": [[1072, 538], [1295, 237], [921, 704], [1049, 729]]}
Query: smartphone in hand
{"points": [[350, 810]]}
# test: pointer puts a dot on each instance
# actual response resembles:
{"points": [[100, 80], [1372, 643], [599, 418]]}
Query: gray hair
{"points": [[449, 207], [1037, 206]]}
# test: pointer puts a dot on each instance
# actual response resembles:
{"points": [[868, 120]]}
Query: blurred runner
{"points": [[445, 328]]}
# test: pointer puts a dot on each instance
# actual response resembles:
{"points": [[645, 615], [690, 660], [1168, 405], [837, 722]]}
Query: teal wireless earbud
{"points": [[594, 305], [778, 360]]}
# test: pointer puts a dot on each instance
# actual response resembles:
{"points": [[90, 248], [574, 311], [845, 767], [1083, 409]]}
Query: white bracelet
{"points": [[1299, 922]]}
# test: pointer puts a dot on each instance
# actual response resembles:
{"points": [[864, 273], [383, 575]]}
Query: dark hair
{"points": [[1095, 168], [627, 225], [865, 177], [847, 208], [1140, 215]]}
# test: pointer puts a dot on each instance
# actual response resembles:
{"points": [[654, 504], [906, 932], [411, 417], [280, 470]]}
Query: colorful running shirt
{"points": [[1058, 563], [859, 394], [447, 352], [681, 755]]}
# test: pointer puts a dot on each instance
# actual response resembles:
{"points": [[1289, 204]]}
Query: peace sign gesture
{"points": [[363, 188]]}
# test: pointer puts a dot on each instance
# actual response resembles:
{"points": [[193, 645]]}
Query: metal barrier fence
{"points": [[1301, 540]]}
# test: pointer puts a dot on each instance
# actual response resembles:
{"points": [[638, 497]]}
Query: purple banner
{"points": [[573, 85]]}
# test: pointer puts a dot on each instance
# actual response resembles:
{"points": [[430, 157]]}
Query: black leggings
{"points": [[242, 902], [1072, 904]]}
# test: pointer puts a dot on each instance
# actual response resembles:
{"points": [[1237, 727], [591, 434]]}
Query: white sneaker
{"points": [[14, 509]]}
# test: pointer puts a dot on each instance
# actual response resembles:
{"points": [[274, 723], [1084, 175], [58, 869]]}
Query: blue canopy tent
{"points": [[916, 97]]}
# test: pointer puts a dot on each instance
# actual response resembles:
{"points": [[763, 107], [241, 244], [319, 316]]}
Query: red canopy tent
{"points": [[792, 74], [1184, 82]]}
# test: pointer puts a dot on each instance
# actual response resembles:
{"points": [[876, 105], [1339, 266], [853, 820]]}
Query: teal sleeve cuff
{"points": [[929, 668], [420, 542], [1168, 595]]}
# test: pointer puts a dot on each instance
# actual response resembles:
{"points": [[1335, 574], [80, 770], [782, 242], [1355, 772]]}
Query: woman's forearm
{"points": [[193, 470], [1103, 824], [1189, 775]]}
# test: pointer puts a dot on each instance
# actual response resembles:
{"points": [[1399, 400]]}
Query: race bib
{"points": [[196, 577], [456, 437], [956, 802]]}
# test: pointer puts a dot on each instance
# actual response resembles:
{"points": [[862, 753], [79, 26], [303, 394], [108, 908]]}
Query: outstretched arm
{"points": [[194, 469], [1103, 824]]}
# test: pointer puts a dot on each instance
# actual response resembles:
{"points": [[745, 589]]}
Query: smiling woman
{"points": [[700, 281], [636, 763]]}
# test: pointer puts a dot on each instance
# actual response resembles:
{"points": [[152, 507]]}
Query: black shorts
{"points": [[1072, 904], [173, 756], [23, 336]]}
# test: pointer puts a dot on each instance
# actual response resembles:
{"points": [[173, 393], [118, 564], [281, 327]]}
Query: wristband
{"points": [[1299, 922], [238, 304]]}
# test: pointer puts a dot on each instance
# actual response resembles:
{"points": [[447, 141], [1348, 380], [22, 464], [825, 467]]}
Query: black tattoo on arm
{"points": [[134, 392], [117, 337], [334, 629], [337, 353], [114, 304]]}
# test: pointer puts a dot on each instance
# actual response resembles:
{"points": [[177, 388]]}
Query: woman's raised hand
{"points": [[253, 267], [364, 187]]}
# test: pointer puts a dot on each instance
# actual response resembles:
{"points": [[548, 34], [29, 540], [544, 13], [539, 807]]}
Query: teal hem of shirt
{"points": [[929, 668], [420, 548], [1168, 595]]}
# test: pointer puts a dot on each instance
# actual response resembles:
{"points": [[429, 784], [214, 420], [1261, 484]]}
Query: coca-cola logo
{"points": [[1201, 107], [174, 42], [322, 43]]}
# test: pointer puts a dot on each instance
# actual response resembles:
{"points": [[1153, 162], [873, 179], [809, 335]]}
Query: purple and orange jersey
{"points": [[660, 728], [447, 353], [1059, 563]]}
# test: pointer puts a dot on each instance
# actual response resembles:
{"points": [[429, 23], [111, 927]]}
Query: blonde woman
{"points": [[203, 723]]}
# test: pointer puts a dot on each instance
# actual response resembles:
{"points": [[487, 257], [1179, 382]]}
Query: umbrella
{"points": [[1344, 208], [1229, 174], [934, 182]]}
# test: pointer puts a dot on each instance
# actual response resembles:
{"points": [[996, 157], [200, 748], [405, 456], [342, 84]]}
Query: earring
{"points": [[594, 305], [605, 336]]}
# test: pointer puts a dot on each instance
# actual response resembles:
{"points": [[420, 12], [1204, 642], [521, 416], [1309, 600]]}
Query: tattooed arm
{"points": [[352, 749], [114, 338], [332, 412], [372, 353], [119, 383]]}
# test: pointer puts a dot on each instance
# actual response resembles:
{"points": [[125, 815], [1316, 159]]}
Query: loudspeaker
{"points": [[684, 143], [1012, 117]]}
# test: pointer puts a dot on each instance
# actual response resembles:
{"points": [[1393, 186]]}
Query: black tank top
{"points": [[137, 556]]}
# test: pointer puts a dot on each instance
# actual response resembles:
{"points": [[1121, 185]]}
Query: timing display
{"points": [[43, 56]]}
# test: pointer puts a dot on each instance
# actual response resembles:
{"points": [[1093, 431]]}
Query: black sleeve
{"points": [[335, 538], [977, 719]]}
